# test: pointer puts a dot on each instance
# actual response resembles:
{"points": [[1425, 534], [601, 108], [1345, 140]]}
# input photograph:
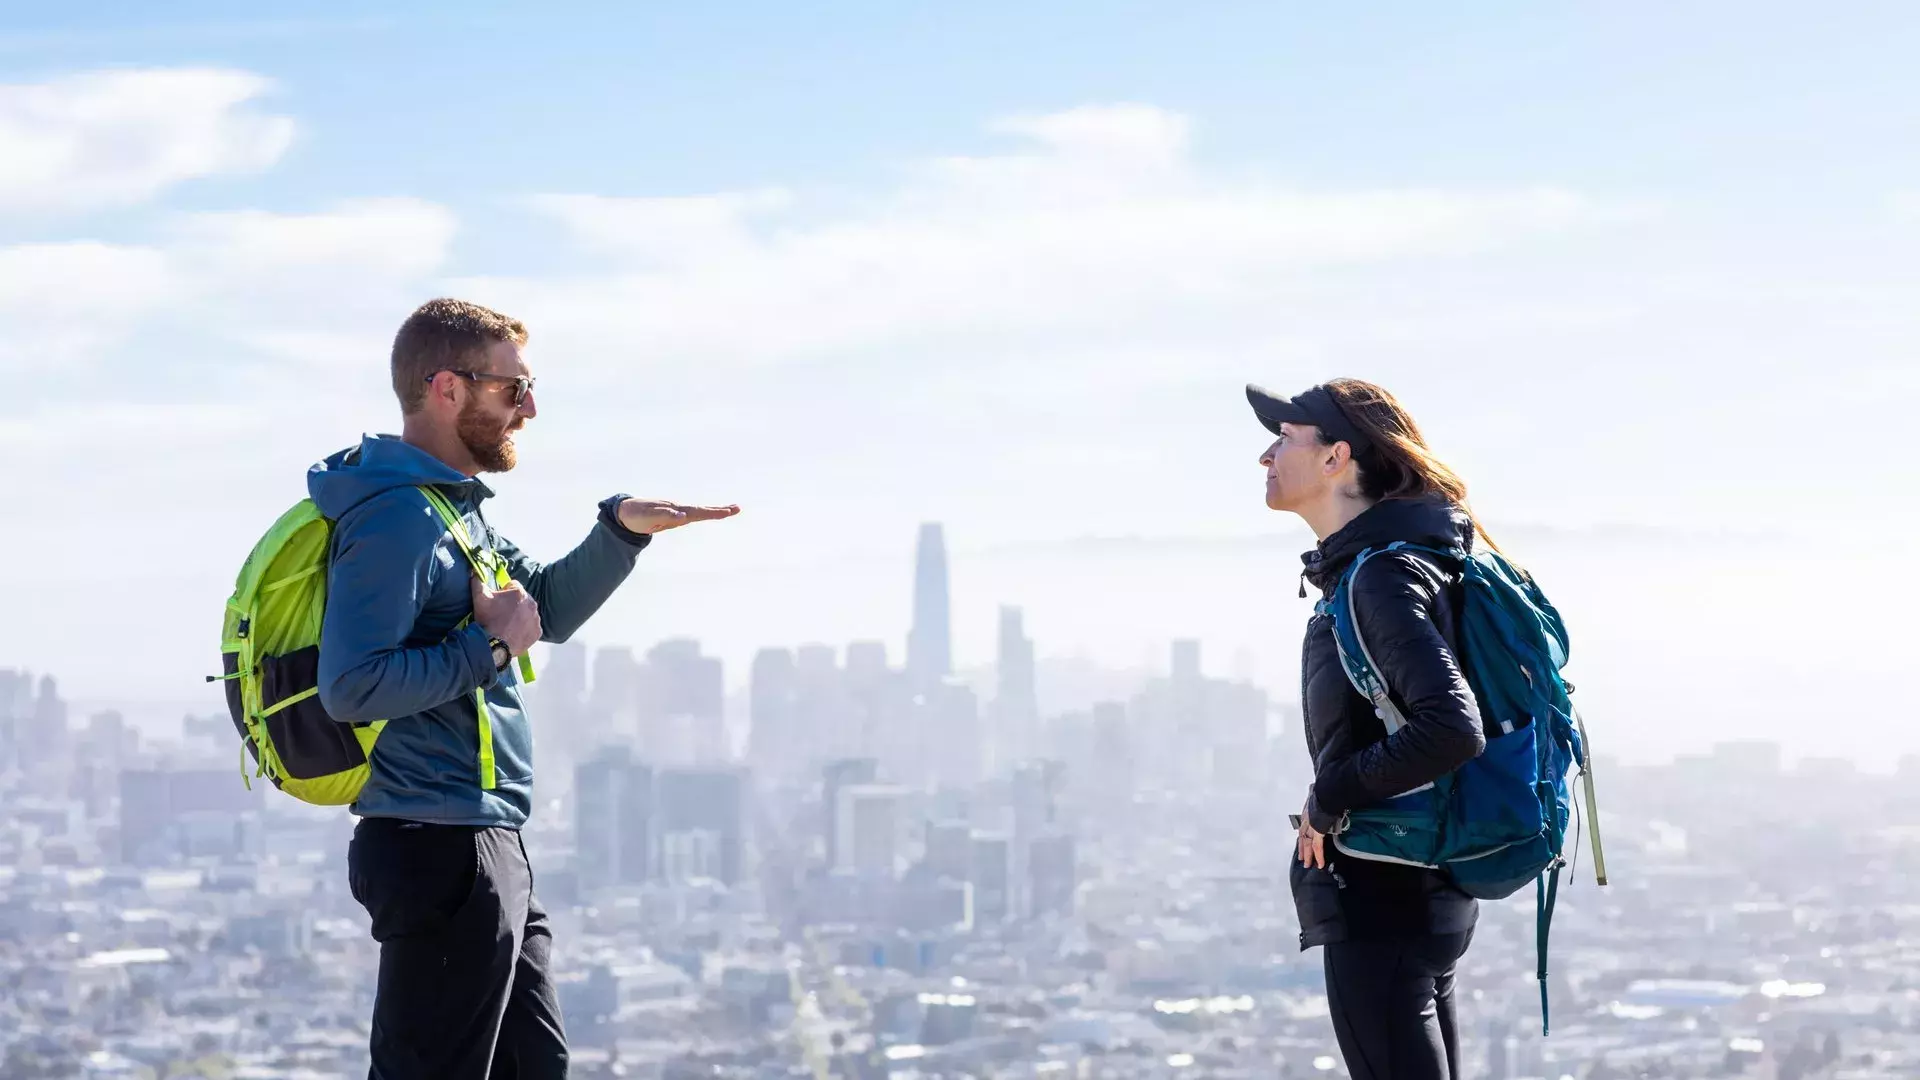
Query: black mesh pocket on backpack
{"points": [[230, 682], [236, 702], [310, 742]]}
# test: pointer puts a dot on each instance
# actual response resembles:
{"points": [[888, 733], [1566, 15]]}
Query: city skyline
{"points": [[1627, 722]]}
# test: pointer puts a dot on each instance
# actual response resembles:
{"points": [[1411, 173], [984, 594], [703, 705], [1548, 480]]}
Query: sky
{"points": [[1646, 277]]}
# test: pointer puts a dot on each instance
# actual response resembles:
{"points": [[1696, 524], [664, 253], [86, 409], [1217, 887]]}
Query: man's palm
{"points": [[658, 515]]}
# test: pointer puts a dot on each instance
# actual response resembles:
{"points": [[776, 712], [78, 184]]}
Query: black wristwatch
{"points": [[502, 656]]}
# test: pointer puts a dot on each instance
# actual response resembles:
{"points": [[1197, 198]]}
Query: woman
{"points": [[1353, 465]]}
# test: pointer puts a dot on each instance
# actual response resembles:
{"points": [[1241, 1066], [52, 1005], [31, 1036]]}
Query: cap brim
{"points": [[1274, 410]]}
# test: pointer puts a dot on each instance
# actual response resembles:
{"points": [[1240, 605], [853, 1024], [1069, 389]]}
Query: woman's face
{"points": [[1297, 468]]}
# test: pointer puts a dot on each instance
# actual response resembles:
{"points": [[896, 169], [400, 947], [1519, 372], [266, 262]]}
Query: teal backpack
{"points": [[1501, 820]]}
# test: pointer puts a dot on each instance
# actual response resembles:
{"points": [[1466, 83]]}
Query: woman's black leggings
{"points": [[1392, 1003]]}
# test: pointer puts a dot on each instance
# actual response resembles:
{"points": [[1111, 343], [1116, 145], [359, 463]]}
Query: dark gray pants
{"points": [[464, 989]]}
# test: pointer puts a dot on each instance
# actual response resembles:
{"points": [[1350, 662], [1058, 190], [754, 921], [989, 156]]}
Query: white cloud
{"points": [[60, 283], [394, 239], [666, 230], [64, 303], [1141, 132], [113, 138], [316, 286], [1102, 224]]}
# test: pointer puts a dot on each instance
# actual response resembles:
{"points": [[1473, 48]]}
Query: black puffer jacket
{"points": [[1405, 605]]}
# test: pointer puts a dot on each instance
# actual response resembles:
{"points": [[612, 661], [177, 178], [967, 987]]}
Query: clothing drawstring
{"points": [[1303, 584]]}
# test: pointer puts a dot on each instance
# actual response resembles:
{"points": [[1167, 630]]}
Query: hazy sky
{"points": [[1646, 275]]}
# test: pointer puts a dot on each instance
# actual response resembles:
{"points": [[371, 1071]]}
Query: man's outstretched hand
{"points": [[656, 515]]}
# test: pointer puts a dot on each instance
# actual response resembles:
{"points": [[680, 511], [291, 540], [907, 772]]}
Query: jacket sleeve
{"points": [[1394, 599], [571, 590], [385, 562]]}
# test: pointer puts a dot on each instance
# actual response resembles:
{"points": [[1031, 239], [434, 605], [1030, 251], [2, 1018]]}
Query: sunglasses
{"points": [[522, 384]]}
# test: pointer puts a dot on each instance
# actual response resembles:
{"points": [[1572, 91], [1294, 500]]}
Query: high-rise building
{"points": [[682, 705], [44, 739], [930, 642], [1051, 875], [688, 855], [950, 726], [1186, 662], [560, 697], [16, 711], [872, 830], [169, 812], [820, 709], [949, 852], [616, 684], [1035, 798], [772, 739], [845, 773], [874, 701], [1113, 755], [702, 822], [1016, 706], [613, 819], [992, 877], [1237, 731], [564, 674]]}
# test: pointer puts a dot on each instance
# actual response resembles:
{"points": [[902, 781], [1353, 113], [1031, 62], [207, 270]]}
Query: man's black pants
{"points": [[1392, 1003], [464, 989]]}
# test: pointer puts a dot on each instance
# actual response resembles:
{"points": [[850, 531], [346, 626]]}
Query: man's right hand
{"points": [[508, 613]]}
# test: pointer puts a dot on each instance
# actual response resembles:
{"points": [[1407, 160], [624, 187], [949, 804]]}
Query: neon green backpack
{"points": [[270, 660]]}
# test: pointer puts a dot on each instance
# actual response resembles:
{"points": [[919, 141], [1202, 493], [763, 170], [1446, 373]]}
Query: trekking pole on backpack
{"points": [[1593, 808]]}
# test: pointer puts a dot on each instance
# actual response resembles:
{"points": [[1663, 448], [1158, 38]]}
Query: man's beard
{"points": [[487, 439]]}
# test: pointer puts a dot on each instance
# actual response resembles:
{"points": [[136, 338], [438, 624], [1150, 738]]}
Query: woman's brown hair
{"points": [[1399, 464]]}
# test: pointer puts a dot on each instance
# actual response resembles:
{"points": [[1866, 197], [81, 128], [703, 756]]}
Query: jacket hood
{"points": [[380, 463], [1431, 521]]}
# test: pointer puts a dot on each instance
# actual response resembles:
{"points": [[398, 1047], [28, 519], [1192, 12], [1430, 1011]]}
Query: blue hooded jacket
{"points": [[397, 586]]}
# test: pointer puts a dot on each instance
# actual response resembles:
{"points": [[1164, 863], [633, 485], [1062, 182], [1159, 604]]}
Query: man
{"points": [[415, 636]]}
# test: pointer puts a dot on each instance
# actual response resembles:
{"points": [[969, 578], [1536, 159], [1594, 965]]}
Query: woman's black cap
{"points": [[1314, 408]]}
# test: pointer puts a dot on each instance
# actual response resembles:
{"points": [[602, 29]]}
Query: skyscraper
{"points": [[682, 703], [873, 698], [820, 710], [930, 642], [559, 699], [702, 809], [771, 737], [992, 877], [1016, 706], [616, 684], [841, 774], [871, 824], [951, 736], [613, 819], [1051, 878]]}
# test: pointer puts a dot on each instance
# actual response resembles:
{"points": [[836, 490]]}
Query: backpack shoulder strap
{"points": [[459, 530], [491, 569], [1355, 659]]}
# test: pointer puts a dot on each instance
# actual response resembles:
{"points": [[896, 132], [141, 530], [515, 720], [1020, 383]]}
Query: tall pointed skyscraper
{"points": [[930, 642]]}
